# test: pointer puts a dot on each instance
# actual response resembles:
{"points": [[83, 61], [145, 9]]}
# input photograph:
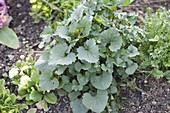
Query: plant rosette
{"points": [[7, 35], [89, 55], [26, 77], [8, 102]]}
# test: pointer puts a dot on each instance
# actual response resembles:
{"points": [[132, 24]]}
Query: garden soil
{"points": [[150, 96]]}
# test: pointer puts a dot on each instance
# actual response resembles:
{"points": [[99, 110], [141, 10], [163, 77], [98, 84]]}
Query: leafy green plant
{"points": [[89, 54], [26, 76], [8, 101], [51, 10], [154, 48], [7, 35]]}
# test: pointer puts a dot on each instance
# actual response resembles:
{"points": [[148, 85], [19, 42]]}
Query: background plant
{"points": [[8, 102], [89, 54], [26, 77], [7, 35], [51, 10], [154, 47]]}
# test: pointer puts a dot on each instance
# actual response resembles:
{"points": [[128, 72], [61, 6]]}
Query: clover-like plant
{"points": [[89, 54], [155, 46], [26, 77], [8, 102], [51, 10], [7, 35]]}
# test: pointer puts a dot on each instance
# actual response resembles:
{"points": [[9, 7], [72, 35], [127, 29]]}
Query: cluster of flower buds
{"points": [[4, 17]]}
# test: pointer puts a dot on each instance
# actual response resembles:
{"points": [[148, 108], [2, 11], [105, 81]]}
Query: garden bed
{"points": [[150, 96]]}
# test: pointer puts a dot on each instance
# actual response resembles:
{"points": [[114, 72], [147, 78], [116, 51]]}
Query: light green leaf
{"points": [[32, 110], [89, 52], [83, 65], [111, 36], [58, 55], [42, 105], [131, 69], [113, 89], [133, 51], [115, 107], [157, 73], [101, 82], [8, 37], [96, 103], [78, 107], [62, 32], [116, 44], [76, 86], [50, 98], [73, 95], [42, 62], [83, 79], [77, 14], [48, 83], [86, 23], [35, 95]]}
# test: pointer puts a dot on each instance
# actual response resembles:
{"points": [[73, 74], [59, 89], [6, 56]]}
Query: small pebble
{"points": [[154, 102], [140, 112], [18, 5]]}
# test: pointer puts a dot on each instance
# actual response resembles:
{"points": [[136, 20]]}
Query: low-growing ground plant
{"points": [[51, 10], [8, 102], [26, 77], [155, 46], [89, 55], [7, 35]]}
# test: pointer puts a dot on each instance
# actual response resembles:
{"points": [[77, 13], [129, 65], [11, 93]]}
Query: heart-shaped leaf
{"points": [[101, 82], [48, 83], [132, 68], [42, 62], [89, 52], [78, 106], [96, 103], [58, 55]]}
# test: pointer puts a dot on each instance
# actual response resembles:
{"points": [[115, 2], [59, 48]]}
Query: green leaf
{"points": [[48, 83], [62, 32], [50, 98], [133, 51], [76, 86], [101, 82], [73, 95], [115, 107], [89, 52], [157, 73], [77, 14], [116, 44], [42, 105], [78, 107], [86, 23], [83, 65], [58, 55], [35, 95], [8, 37], [83, 79], [42, 62], [96, 103], [32, 110], [132, 68], [111, 36]]}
